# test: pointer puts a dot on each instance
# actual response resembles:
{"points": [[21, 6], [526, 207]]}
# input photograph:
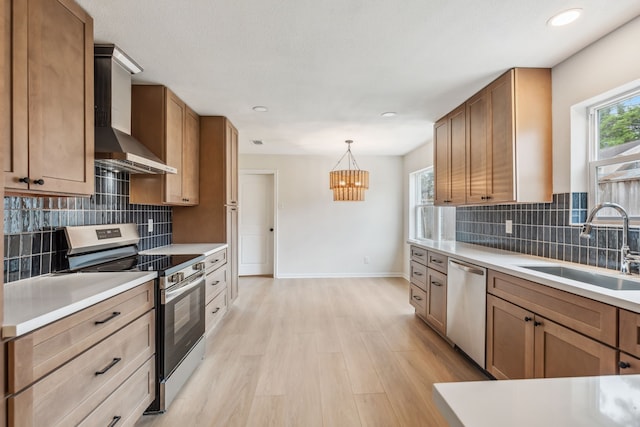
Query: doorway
{"points": [[257, 223]]}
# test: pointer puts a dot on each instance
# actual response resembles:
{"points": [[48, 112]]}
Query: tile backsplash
{"points": [[30, 223], [544, 229]]}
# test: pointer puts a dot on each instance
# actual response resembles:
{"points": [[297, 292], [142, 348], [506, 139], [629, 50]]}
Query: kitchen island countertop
{"points": [[605, 401]]}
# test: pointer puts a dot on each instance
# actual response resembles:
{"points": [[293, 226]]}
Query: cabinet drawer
{"points": [[41, 351], [628, 365], [437, 262], [125, 405], [67, 395], [215, 260], [630, 332], [418, 299], [216, 283], [215, 310], [419, 275], [419, 255], [581, 314]]}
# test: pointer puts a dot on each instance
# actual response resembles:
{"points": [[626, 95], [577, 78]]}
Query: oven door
{"points": [[183, 322]]}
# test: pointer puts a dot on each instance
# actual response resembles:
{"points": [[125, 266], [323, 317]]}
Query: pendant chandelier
{"points": [[348, 184]]}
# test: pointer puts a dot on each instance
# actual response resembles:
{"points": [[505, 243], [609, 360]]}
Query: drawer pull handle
{"points": [[216, 310], [435, 261], [114, 421], [418, 254], [113, 363], [214, 261], [416, 297], [535, 323], [624, 365], [215, 283], [416, 273], [113, 315], [434, 283], [528, 319]]}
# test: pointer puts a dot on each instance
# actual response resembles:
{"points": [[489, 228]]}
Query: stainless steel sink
{"points": [[609, 282]]}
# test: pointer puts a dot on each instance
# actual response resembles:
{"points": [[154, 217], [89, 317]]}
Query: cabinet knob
{"points": [[624, 365], [24, 180], [39, 181], [535, 323], [528, 319]]}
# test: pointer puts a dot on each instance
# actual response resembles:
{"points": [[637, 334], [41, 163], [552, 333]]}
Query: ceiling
{"points": [[327, 69]]}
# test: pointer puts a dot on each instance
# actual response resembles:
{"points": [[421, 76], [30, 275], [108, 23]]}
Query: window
{"points": [[614, 169], [428, 221]]}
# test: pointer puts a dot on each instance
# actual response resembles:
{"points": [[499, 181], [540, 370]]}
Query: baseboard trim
{"points": [[336, 275]]}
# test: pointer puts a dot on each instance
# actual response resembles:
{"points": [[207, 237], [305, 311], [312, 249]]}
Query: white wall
{"points": [[318, 237], [415, 160], [611, 62]]}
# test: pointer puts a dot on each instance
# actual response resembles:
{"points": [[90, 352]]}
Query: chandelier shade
{"points": [[348, 184]]}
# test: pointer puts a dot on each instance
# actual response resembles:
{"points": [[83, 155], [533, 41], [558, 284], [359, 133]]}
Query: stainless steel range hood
{"points": [[115, 148]]}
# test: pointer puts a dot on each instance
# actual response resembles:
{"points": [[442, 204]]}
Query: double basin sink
{"points": [[601, 280]]}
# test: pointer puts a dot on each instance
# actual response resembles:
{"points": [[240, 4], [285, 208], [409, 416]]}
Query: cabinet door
{"points": [[52, 97], [477, 148], [500, 163], [457, 157], [561, 352], [231, 163], [191, 158], [441, 161], [174, 143], [437, 300], [629, 332], [232, 240], [509, 340]]}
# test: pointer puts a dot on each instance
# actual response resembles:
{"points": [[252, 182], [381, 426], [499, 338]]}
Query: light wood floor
{"points": [[318, 352]]}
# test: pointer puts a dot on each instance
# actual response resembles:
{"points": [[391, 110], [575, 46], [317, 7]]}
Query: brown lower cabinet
{"points": [[437, 301], [521, 344]]}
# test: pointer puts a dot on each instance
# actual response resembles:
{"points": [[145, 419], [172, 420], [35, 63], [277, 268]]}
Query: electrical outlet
{"points": [[150, 225], [508, 226], [366, 260]]}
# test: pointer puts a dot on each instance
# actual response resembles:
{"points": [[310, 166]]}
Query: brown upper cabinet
{"points": [[171, 130], [50, 147], [449, 155], [508, 141]]}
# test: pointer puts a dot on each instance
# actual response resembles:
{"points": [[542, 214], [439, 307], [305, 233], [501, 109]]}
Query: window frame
{"points": [[594, 162]]}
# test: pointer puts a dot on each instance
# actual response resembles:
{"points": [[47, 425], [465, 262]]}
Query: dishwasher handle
{"points": [[468, 268]]}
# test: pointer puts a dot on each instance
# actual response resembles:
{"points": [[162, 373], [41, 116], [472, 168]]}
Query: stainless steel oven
{"points": [[180, 296], [181, 313]]}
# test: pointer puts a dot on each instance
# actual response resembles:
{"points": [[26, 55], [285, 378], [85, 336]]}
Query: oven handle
{"points": [[176, 291]]}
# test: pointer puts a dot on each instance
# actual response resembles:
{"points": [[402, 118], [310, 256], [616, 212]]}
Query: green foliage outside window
{"points": [[619, 123]]}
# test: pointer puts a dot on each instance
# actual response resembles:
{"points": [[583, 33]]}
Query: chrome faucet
{"points": [[626, 257]]}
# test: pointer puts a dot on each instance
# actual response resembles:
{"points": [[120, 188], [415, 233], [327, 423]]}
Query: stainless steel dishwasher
{"points": [[467, 308]]}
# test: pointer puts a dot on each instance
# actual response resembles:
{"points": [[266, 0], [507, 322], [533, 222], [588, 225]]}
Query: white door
{"points": [[256, 226]]}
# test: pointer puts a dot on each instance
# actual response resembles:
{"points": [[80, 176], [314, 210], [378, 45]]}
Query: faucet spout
{"points": [[625, 253]]}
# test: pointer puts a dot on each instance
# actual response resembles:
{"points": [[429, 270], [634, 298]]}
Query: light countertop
{"points": [[511, 262], [605, 401], [205, 249], [32, 303]]}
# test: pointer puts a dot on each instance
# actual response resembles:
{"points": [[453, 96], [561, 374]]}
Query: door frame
{"points": [[273, 172]]}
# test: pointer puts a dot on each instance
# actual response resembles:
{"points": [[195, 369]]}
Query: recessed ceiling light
{"points": [[389, 114], [260, 109], [564, 18]]}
